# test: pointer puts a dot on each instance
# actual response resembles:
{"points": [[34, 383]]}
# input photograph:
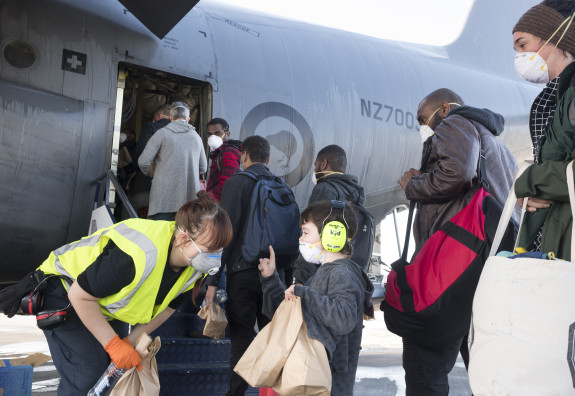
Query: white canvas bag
{"points": [[523, 323]]}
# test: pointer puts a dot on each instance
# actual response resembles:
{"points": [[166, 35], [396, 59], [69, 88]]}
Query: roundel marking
{"points": [[284, 140]]}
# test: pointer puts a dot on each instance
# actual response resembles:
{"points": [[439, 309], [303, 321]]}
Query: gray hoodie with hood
{"points": [[333, 302], [179, 156]]}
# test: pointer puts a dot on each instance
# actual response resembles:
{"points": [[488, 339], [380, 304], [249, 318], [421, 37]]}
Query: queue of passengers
{"points": [[138, 271]]}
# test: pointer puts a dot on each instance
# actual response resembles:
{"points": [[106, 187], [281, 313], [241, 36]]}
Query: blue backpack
{"points": [[273, 219]]}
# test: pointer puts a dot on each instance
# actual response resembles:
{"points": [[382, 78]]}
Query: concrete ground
{"points": [[379, 372]]}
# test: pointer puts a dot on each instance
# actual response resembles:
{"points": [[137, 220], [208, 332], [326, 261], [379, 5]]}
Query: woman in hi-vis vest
{"points": [[135, 272]]}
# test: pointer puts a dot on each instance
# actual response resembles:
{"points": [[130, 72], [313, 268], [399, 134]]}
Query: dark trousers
{"points": [[243, 309], [426, 368], [79, 358]]}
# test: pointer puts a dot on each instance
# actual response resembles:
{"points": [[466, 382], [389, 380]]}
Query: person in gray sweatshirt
{"points": [[178, 154], [334, 298]]}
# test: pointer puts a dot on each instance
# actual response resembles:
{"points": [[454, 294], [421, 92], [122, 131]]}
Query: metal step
{"points": [[196, 379], [193, 350]]}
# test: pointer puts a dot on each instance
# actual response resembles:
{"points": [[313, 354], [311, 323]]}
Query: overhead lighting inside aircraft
{"points": [[19, 54]]}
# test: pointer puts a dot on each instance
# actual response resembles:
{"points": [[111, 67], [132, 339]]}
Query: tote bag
{"points": [[523, 324]]}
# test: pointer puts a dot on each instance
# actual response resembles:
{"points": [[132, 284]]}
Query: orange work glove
{"points": [[122, 354]]}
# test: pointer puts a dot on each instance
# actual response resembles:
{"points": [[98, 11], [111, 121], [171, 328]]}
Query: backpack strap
{"points": [[251, 174]]}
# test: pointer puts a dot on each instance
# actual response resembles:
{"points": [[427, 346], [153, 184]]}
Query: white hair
{"points": [[179, 111]]}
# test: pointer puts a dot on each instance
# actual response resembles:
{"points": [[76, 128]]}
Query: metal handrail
{"points": [[109, 176]]}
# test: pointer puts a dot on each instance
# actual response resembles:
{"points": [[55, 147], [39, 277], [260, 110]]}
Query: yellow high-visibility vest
{"points": [[147, 242]]}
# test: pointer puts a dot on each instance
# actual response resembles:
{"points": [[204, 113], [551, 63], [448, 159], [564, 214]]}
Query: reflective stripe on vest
{"points": [[146, 241], [129, 233]]}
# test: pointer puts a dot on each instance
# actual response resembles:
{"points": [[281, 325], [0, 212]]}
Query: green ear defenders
{"points": [[334, 234]]}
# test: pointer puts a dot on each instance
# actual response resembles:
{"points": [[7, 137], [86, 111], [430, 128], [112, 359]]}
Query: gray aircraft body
{"points": [[73, 72]]}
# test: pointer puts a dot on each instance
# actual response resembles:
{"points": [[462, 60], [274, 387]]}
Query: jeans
{"points": [[426, 368]]}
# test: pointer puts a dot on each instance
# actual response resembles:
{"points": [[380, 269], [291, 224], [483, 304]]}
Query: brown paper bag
{"points": [[262, 363], [216, 321], [306, 371], [145, 382]]}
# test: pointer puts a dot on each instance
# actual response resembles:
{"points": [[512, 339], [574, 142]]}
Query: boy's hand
{"points": [[266, 266], [289, 293]]}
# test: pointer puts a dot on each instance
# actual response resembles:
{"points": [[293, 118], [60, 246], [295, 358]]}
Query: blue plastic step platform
{"points": [[15, 380], [196, 380]]}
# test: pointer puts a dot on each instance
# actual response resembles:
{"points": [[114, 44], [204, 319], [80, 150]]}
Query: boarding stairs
{"points": [[188, 363]]}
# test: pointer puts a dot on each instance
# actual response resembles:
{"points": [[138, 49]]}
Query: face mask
{"points": [[123, 137], [215, 142], [206, 263], [532, 67], [314, 178], [311, 253], [425, 132]]}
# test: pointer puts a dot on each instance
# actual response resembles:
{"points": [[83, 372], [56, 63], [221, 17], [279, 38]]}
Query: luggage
{"points": [[430, 298], [523, 330], [273, 219]]}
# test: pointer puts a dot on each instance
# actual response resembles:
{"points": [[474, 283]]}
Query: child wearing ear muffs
{"points": [[333, 299]]}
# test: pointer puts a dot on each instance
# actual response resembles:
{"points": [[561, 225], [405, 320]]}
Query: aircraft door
{"points": [[40, 140]]}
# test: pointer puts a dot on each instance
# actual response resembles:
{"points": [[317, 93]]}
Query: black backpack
{"points": [[363, 239], [273, 219]]}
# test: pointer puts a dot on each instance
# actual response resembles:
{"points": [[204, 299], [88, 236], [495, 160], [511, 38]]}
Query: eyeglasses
{"points": [[196, 246]]}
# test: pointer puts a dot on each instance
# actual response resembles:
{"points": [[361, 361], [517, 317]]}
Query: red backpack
{"points": [[430, 298]]}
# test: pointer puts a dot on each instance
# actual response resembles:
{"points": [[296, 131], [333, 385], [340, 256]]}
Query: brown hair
{"points": [[205, 215], [319, 214]]}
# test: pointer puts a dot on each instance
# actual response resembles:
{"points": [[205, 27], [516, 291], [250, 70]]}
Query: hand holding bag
{"points": [[216, 321], [147, 381], [306, 371], [522, 334], [263, 361]]}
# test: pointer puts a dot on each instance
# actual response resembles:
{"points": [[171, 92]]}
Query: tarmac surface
{"points": [[379, 372]]}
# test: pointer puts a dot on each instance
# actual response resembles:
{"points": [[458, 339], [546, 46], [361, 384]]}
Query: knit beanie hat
{"points": [[542, 21]]}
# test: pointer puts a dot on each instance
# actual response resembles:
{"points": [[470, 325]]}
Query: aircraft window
{"points": [[19, 54]]}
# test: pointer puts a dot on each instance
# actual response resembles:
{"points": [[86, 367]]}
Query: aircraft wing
{"points": [[159, 16]]}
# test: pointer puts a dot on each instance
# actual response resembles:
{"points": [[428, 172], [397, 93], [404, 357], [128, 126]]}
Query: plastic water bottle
{"points": [[221, 296], [107, 381]]}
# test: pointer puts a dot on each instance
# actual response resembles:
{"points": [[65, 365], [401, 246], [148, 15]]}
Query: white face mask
{"points": [[532, 67], [425, 132], [215, 142], [123, 137], [311, 253]]}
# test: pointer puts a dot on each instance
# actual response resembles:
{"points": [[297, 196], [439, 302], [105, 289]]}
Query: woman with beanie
{"points": [[544, 39]]}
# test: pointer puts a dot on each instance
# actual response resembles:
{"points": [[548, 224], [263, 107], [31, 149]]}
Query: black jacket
{"points": [[236, 200], [336, 186]]}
